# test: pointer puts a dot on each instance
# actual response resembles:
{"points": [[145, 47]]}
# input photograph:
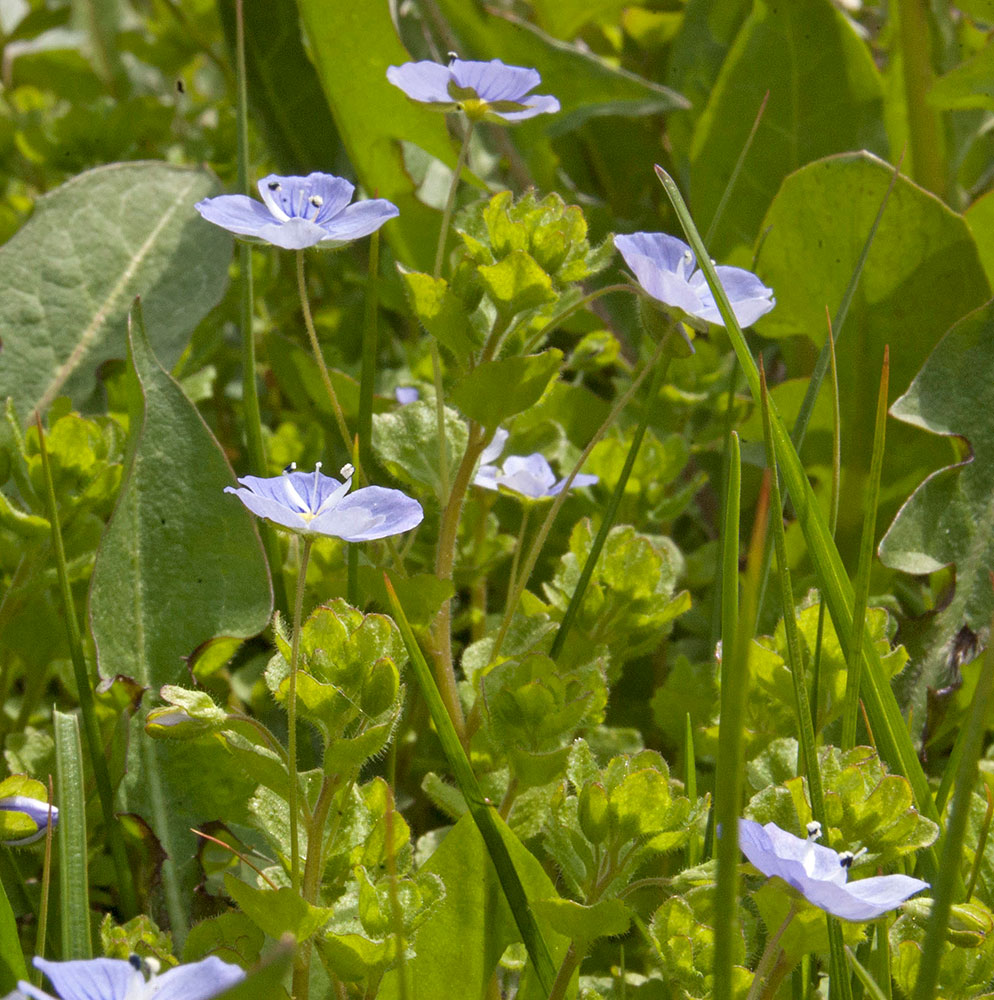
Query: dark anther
{"points": [[846, 859], [316, 200], [135, 961], [274, 185]]}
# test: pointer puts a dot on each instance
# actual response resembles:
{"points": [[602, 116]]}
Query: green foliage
{"points": [[139, 936], [66, 302], [496, 390], [630, 600]]}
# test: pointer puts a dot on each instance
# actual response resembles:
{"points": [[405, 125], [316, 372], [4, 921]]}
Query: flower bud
{"points": [[35, 810]]}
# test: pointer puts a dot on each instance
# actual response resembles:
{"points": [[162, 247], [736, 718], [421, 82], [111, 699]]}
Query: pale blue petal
{"points": [[748, 296], [666, 252], [579, 480], [294, 234], [492, 451], [358, 220], [486, 476], [538, 104], [529, 475], [369, 513], [405, 394], [494, 81], [89, 979], [36, 810], [270, 509], [197, 981], [237, 213], [423, 81], [290, 197], [865, 900]]}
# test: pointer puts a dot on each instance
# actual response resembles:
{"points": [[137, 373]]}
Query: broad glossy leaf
{"points": [[922, 274], [980, 218], [496, 390], [439, 311], [68, 277], [825, 97], [374, 117], [969, 85], [607, 918], [948, 519]]}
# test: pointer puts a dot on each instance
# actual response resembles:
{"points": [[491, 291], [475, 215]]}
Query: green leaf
{"points": [[287, 103], [496, 390], [607, 918], [439, 311], [475, 913], [946, 520], [179, 564], [517, 283], [808, 258], [68, 277], [12, 965], [968, 85], [374, 117], [73, 869], [277, 913], [406, 441], [266, 982], [980, 218], [825, 97]]}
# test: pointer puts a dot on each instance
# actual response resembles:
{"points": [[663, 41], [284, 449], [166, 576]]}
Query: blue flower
{"points": [[115, 979], [299, 212], [481, 90], [36, 810], [405, 394], [665, 268], [311, 503], [529, 475], [820, 874]]}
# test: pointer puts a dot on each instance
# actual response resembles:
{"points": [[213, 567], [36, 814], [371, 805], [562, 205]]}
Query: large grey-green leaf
{"points": [[948, 519], [180, 563], [826, 97], [68, 277], [922, 274]]}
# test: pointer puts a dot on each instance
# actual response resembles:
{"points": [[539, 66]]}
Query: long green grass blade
{"points": [[893, 739], [795, 657], [73, 879], [951, 850], [871, 499], [863, 974], [94, 745], [481, 809], [735, 641]]}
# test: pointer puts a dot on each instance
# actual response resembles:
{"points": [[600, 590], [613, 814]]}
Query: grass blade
{"points": [[882, 709], [73, 881], [951, 849], [871, 495], [479, 806]]}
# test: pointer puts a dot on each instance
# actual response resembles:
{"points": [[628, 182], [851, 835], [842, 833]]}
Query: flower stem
{"points": [[571, 962], [343, 427], [291, 715], [367, 376], [769, 956], [436, 363]]}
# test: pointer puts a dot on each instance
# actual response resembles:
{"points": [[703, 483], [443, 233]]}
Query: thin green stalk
{"points": [[352, 569], [312, 335], [396, 912], [736, 170], [884, 714], [367, 377], [951, 848], [543, 531], [250, 389], [87, 706], [518, 549], [571, 962], [611, 511], [871, 499], [693, 851], [736, 639], [291, 714], [538, 337], [73, 881], [46, 883], [436, 363], [795, 656], [925, 131], [978, 854], [833, 517], [864, 976], [482, 811], [769, 956], [881, 958]]}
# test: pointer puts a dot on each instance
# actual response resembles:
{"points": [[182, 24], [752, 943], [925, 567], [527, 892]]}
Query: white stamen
{"points": [[814, 829], [347, 471], [316, 200]]}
